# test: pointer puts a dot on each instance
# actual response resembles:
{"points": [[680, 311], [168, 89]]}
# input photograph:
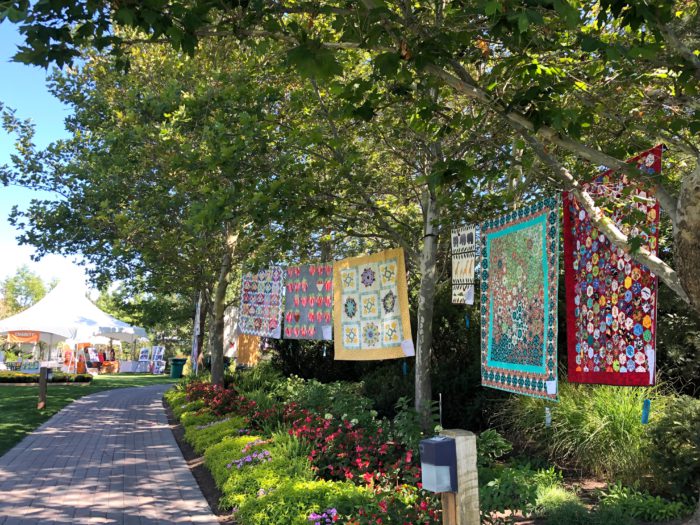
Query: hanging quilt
{"points": [[261, 303], [309, 302], [370, 307], [519, 283], [464, 254], [611, 299]]}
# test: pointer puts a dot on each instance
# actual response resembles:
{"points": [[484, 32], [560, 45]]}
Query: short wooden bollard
{"points": [[462, 507], [43, 381]]}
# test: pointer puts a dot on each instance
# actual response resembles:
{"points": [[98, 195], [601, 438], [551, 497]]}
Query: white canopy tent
{"points": [[66, 313]]}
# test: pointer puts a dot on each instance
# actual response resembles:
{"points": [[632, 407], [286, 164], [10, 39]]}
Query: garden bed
{"points": [[293, 452], [21, 378]]}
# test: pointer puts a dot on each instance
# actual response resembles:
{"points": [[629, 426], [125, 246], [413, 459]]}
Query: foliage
{"points": [[675, 436], [505, 491], [642, 505], [490, 446], [219, 455], [264, 376], [407, 423], [22, 290], [58, 377], [561, 507], [293, 501], [205, 434], [596, 429]]}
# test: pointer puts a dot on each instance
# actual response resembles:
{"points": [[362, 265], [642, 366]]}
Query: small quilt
{"points": [[309, 302], [371, 307], [261, 303], [519, 283], [464, 255]]}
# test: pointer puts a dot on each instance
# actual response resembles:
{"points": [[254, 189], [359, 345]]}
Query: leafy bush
{"points": [[262, 377], [642, 505], [406, 427], [596, 429], [676, 444], [293, 501], [341, 399], [191, 419], [217, 457], [510, 490], [205, 434], [490, 446], [560, 507], [57, 377]]}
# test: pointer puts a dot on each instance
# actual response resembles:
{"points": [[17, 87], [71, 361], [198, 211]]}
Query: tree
{"points": [[22, 290], [536, 65]]}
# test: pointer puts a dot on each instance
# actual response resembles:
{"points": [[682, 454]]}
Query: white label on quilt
{"points": [[551, 387], [327, 331], [408, 348]]}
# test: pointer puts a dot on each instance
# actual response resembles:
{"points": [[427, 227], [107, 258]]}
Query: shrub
{"points": [[676, 444], [206, 434], [490, 446], [511, 490], [293, 501], [262, 377], [560, 507], [57, 377], [406, 427], [596, 429], [642, 505], [217, 457], [191, 419]]}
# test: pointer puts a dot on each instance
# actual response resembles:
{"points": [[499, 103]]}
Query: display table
{"points": [[109, 367], [139, 367]]}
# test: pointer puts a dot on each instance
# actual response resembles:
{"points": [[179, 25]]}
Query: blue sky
{"points": [[23, 88]]}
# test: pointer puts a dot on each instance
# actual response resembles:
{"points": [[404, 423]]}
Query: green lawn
{"points": [[18, 413]]}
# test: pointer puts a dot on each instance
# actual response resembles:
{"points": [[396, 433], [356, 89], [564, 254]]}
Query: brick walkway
{"points": [[107, 458]]}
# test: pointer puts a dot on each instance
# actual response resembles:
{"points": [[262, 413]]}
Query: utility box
{"points": [[438, 459]]}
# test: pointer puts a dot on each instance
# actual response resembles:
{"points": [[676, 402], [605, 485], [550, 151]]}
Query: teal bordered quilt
{"points": [[519, 283]]}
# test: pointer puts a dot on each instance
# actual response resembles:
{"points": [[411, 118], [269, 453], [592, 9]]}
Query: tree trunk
{"points": [[218, 307], [202, 327], [426, 304], [687, 236]]}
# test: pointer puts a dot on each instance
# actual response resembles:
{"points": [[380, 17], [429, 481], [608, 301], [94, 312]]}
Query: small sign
{"points": [[327, 331], [408, 348], [551, 387], [646, 407]]}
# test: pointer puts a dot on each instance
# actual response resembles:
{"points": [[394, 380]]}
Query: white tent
{"points": [[66, 313]]}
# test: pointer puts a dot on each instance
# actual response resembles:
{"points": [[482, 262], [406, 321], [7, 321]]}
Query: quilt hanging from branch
{"points": [[370, 307], [464, 254], [519, 283], [261, 303], [309, 302], [611, 299]]}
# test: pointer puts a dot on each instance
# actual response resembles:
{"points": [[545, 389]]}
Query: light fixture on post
{"points": [[438, 459]]}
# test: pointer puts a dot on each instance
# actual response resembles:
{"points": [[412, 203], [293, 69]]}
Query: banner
{"points": [[464, 255], [195, 334], [23, 336]]}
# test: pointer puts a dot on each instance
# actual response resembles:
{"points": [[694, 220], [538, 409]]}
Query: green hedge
{"points": [[205, 434], [57, 377]]}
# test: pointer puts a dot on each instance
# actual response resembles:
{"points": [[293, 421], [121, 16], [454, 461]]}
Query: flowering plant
{"points": [[251, 459], [327, 516]]}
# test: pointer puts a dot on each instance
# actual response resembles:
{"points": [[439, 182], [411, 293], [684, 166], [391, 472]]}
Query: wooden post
{"points": [[462, 507], [43, 380]]}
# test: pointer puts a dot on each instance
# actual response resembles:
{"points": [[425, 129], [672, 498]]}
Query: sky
{"points": [[23, 88]]}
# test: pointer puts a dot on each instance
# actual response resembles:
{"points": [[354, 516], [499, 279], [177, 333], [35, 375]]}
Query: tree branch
{"points": [[667, 274]]}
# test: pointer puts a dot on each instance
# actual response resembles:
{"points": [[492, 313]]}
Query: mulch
{"points": [[196, 465]]}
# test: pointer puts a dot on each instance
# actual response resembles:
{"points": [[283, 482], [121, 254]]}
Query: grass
{"points": [[19, 415]]}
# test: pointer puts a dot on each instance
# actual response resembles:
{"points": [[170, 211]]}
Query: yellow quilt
{"points": [[370, 307]]}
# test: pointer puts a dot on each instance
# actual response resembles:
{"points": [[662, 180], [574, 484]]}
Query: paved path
{"points": [[107, 458]]}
